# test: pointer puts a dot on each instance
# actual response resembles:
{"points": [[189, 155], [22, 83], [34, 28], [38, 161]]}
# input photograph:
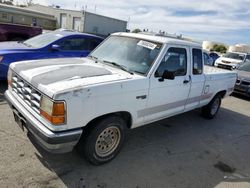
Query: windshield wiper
{"points": [[26, 44], [122, 67], [94, 58]]}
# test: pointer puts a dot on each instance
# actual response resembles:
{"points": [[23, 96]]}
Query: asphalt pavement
{"points": [[183, 151]]}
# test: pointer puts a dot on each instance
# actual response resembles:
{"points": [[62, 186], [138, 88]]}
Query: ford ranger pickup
{"points": [[128, 81]]}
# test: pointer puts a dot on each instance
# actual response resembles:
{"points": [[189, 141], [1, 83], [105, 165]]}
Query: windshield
{"points": [[134, 54], [245, 67], [42, 40], [235, 56]]}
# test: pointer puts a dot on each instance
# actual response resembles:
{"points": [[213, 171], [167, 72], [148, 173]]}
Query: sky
{"points": [[226, 21]]}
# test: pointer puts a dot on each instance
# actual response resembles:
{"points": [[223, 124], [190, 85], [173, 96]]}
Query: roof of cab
{"points": [[160, 39], [66, 32]]}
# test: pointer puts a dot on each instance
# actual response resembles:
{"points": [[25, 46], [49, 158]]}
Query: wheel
{"points": [[103, 141], [209, 111]]}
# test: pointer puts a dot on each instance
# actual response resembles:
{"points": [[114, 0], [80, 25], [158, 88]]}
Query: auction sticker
{"points": [[146, 44]]}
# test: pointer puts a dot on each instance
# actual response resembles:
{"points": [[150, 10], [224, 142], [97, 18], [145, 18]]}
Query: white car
{"points": [[128, 81], [231, 60]]}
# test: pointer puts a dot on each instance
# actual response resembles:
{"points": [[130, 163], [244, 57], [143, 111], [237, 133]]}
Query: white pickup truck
{"points": [[128, 81], [232, 60]]}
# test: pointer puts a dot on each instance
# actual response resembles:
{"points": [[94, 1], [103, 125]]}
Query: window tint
{"points": [[74, 44], [174, 61], [93, 43], [206, 58], [197, 61]]}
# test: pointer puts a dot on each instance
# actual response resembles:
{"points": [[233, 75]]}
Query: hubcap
{"points": [[215, 106], [107, 141]]}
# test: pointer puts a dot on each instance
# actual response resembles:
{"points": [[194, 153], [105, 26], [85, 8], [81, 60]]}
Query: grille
{"points": [[225, 66], [26, 92], [225, 61]]}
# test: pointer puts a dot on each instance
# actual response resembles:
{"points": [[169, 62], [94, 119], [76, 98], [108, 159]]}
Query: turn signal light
{"points": [[53, 111]]}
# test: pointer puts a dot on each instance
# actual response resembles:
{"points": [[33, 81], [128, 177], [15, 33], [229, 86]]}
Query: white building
{"points": [[83, 21], [244, 48]]}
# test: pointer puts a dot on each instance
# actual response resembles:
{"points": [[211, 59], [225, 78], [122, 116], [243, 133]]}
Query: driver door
{"points": [[168, 97], [72, 47]]}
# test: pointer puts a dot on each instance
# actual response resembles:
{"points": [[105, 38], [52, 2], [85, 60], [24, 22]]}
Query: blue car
{"points": [[57, 44]]}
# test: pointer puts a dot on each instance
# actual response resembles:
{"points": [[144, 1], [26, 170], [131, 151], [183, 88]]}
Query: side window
{"points": [[174, 61], [93, 43], [248, 57], [206, 59], [74, 44], [197, 61]]}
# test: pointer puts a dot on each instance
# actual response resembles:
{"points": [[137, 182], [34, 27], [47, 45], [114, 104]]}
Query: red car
{"points": [[15, 32]]}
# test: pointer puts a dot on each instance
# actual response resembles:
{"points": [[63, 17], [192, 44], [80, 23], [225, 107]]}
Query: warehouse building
{"points": [[22, 16], [83, 21], [244, 48]]}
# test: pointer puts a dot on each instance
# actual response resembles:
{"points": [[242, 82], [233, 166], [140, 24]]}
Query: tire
{"points": [[103, 141], [209, 111]]}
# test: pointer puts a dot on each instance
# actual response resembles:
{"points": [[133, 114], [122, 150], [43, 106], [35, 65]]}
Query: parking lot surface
{"points": [[182, 151]]}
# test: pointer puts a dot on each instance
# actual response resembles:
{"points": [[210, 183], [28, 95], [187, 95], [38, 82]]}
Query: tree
{"points": [[29, 2], [136, 31], [219, 48]]}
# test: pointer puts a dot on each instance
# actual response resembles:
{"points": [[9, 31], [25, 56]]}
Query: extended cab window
{"points": [[174, 61], [74, 44], [197, 61]]}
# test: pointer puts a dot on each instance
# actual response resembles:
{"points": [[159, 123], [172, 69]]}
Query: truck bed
{"points": [[217, 79], [209, 70]]}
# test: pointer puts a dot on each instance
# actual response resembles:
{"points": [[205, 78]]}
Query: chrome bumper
{"points": [[54, 142]]}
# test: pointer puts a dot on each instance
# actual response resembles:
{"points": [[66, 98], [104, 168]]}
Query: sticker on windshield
{"points": [[147, 44]]}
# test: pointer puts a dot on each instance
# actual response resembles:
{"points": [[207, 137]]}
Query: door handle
{"points": [[187, 81], [141, 97]]}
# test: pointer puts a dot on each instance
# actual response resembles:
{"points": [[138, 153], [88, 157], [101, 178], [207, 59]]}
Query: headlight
{"points": [[1, 59], [53, 111], [9, 77]]}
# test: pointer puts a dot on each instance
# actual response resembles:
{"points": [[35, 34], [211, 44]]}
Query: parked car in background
{"points": [[231, 60], [207, 59], [128, 81], [56, 44], [242, 85], [14, 32], [214, 56]]}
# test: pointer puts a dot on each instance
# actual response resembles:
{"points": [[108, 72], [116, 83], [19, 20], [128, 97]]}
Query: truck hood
{"points": [[228, 60], [12, 46], [244, 75], [53, 76]]}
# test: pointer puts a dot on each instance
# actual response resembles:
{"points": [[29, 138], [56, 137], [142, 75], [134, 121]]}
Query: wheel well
{"points": [[124, 115], [222, 93]]}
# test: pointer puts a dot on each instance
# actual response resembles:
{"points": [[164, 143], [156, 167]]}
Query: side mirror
{"points": [[169, 75], [55, 47]]}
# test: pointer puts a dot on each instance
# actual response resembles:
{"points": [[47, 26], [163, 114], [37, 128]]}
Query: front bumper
{"points": [[242, 90], [225, 66], [54, 142]]}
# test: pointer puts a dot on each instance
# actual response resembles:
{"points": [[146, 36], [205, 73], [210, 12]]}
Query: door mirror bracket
{"points": [[169, 75], [55, 47]]}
